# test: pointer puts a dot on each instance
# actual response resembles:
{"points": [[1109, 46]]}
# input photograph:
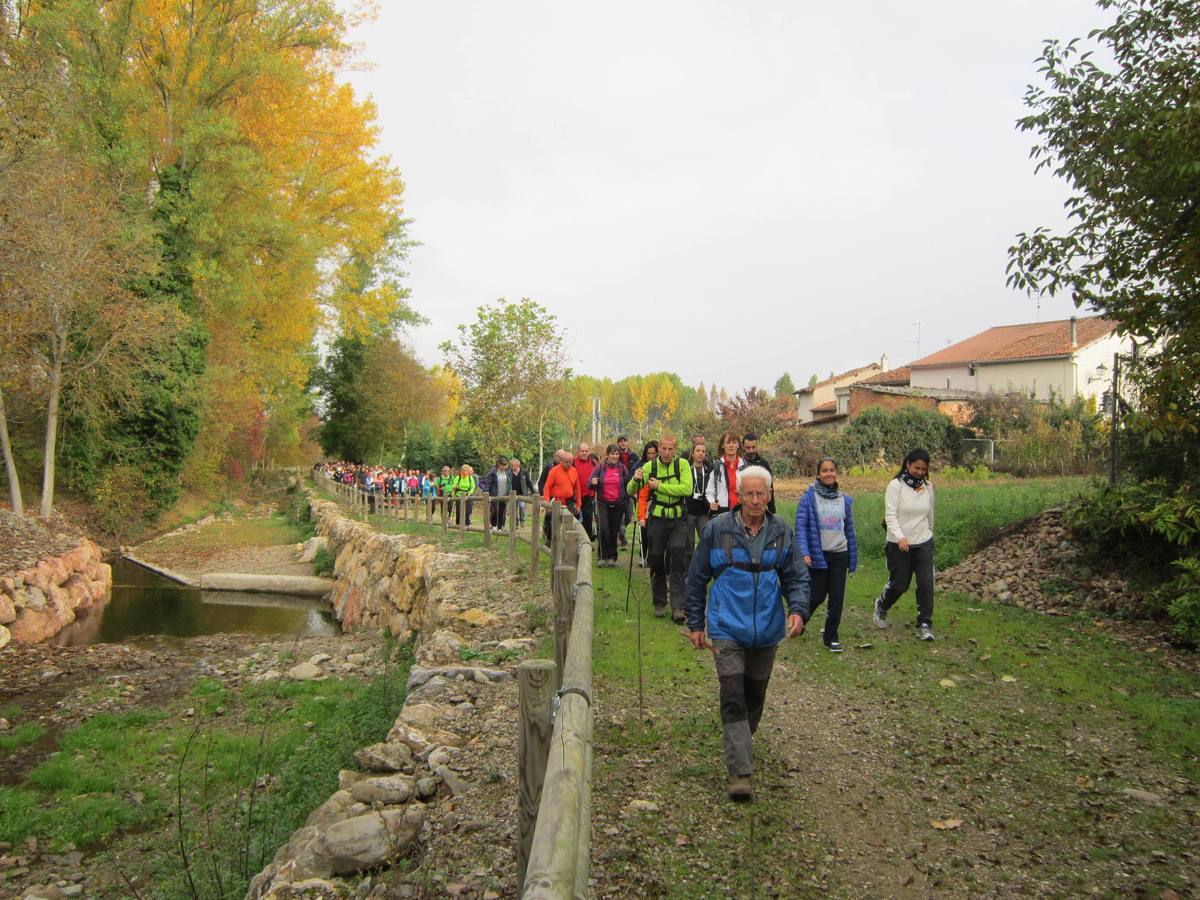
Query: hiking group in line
{"points": [[738, 576]]}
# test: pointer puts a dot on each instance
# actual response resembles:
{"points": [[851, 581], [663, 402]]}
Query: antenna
{"points": [[918, 326]]}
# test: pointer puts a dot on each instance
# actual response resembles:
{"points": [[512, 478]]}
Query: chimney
{"points": [[1074, 332], [883, 363]]}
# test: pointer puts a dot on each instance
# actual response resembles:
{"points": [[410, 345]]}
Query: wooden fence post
{"points": [[487, 520], [535, 539], [535, 691], [462, 518], [563, 582]]}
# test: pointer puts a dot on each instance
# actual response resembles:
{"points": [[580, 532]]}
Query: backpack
{"points": [[674, 502], [727, 541]]}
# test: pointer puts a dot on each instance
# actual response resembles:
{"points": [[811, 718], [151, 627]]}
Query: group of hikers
{"points": [[740, 578]]}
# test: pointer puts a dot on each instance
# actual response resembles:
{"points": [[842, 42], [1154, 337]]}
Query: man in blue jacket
{"points": [[748, 555]]}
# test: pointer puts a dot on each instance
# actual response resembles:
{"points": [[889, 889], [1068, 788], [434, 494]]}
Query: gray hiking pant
{"points": [[742, 674]]}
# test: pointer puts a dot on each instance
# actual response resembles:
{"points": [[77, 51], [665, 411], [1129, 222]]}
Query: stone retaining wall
{"points": [[382, 809], [38, 602], [393, 581]]}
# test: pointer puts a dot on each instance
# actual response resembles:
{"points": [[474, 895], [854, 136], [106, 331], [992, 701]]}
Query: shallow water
{"points": [[145, 603]]}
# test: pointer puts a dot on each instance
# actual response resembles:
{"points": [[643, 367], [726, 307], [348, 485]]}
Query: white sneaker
{"points": [[880, 614], [924, 633]]}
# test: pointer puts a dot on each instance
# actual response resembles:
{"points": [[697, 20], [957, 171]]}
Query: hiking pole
{"points": [[632, 554]]}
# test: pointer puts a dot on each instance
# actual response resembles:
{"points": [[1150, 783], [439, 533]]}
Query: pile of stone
{"points": [[378, 814], [37, 602], [1037, 565]]}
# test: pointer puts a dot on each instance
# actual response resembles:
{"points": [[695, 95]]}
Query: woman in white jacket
{"points": [[722, 481], [908, 517]]}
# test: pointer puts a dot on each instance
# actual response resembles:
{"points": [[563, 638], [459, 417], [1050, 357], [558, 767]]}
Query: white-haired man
{"points": [[748, 556]]}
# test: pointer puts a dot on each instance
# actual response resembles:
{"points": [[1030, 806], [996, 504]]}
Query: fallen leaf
{"points": [[946, 824], [948, 683], [1009, 679]]}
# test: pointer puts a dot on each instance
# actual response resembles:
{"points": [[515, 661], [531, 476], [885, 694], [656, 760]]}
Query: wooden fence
{"points": [[555, 696], [451, 514]]}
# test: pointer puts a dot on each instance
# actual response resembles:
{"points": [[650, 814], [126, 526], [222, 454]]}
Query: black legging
{"points": [[609, 518]]}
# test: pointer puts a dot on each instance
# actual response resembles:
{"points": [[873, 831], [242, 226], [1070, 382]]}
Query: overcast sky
{"points": [[726, 190]]}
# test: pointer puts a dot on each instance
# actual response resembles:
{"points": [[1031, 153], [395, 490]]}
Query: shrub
{"points": [[1185, 608], [881, 438], [323, 562]]}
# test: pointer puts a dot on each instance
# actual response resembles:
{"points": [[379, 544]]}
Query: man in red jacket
{"points": [[584, 464]]}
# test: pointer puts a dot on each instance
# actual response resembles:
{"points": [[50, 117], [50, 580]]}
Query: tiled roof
{"points": [[901, 377], [829, 406], [852, 373], [1028, 341]]}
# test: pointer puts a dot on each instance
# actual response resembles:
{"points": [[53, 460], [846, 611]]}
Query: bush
{"points": [[1151, 530], [323, 562], [1185, 608], [880, 438]]}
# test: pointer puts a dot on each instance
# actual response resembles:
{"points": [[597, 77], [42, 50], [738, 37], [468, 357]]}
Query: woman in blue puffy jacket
{"points": [[826, 541]]}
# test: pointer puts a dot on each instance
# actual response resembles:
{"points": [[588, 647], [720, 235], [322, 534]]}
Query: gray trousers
{"points": [[666, 542], [742, 674]]}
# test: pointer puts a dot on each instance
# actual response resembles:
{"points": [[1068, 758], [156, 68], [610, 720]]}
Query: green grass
{"points": [[120, 772], [966, 513], [278, 528], [21, 736], [323, 561], [1003, 744]]}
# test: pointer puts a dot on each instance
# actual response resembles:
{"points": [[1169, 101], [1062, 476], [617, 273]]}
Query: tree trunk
{"points": [[48, 454], [10, 465], [541, 448]]}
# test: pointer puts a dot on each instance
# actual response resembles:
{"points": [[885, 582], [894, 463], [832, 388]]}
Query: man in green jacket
{"points": [[670, 485]]}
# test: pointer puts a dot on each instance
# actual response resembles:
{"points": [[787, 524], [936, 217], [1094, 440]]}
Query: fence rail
{"points": [[555, 697]]}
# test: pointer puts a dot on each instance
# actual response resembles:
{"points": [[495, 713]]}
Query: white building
{"points": [[1064, 359], [819, 401]]}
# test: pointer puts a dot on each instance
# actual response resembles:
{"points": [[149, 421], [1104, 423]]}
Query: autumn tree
{"points": [[68, 255], [755, 410], [513, 367]]}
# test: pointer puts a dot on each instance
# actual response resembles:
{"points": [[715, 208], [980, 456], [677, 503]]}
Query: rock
{"points": [[5, 636], [305, 671], [43, 892], [481, 677], [332, 810], [426, 788], [413, 738], [367, 841], [444, 647], [72, 890], [308, 889], [438, 757], [51, 672], [480, 618], [422, 715], [455, 782], [4, 726], [643, 806], [1144, 796], [317, 658], [8, 612], [390, 790], [311, 547], [347, 778], [386, 757], [269, 675]]}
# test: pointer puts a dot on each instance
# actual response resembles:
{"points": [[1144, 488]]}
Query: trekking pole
{"points": [[629, 576]]}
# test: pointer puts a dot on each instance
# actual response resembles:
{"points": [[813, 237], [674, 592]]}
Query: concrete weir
{"points": [[303, 585], [306, 585]]}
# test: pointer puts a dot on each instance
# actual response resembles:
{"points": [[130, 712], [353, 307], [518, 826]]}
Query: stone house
{"points": [[818, 402]]}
